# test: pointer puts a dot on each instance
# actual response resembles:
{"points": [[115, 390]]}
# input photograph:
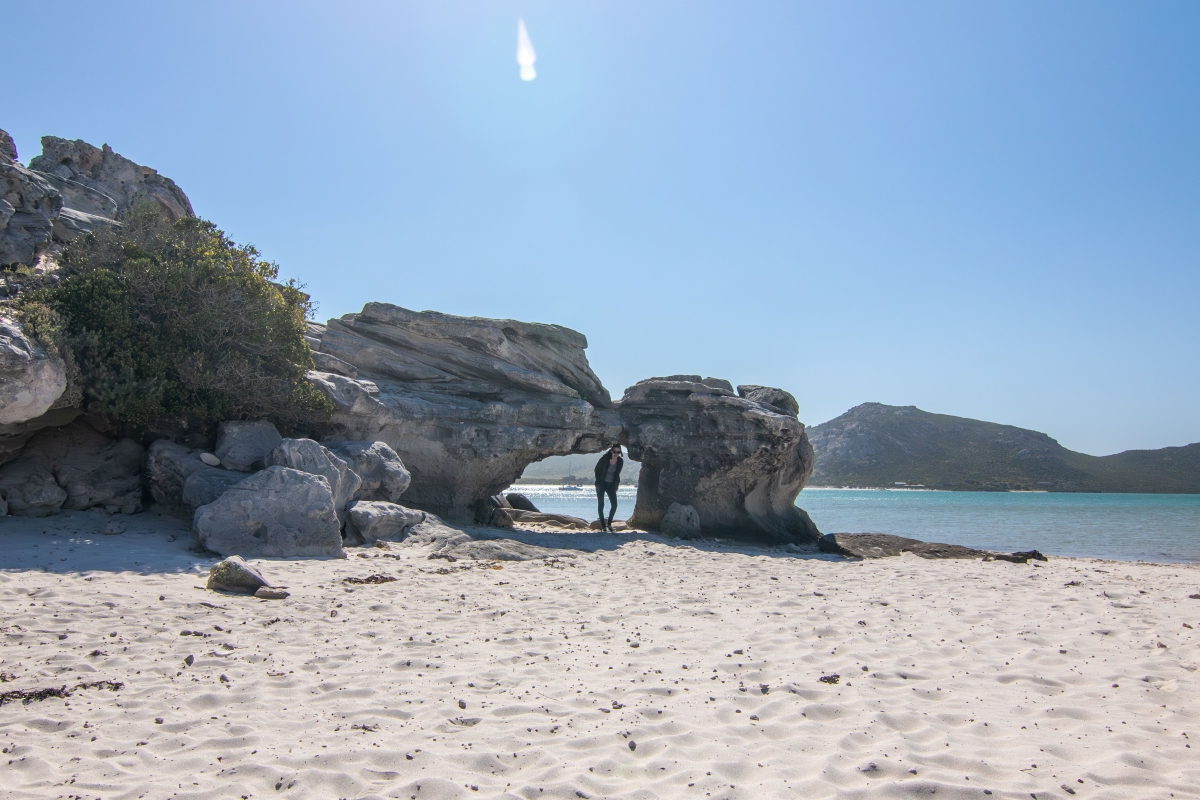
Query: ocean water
{"points": [[1129, 527]]}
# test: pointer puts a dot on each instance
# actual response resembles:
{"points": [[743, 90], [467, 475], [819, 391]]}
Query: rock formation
{"points": [[76, 468], [278, 512], [383, 474], [96, 180], [67, 191], [739, 462], [308, 456], [466, 402]]}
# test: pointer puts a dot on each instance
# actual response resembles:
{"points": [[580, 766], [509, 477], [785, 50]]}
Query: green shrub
{"points": [[173, 320]]}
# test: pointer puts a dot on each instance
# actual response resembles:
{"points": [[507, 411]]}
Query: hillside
{"points": [[878, 445]]}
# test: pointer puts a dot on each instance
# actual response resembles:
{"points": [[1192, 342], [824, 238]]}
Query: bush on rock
{"points": [[167, 319]]}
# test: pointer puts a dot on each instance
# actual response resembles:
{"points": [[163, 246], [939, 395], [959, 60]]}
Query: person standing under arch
{"points": [[608, 478]]}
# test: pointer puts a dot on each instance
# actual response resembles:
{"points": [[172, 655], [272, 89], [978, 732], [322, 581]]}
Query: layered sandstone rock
{"points": [[97, 181], [739, 462], [466, 402], [69, 190]]}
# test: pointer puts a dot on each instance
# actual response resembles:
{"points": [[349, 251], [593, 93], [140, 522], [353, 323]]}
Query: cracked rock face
{"points": [[739, 461], [467, 403]]}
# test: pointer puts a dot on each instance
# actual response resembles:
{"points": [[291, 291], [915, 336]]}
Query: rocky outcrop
{"points": [[739, 462], [882, 545], [75, 468], [243, 446], [69, 190], [308, 456], [278, 512], [29, 206], [30, 378], [381, 470], [96, 180], [466, 402]]}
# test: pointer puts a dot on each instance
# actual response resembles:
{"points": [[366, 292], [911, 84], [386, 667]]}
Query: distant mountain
{"points": [[877, 445]]}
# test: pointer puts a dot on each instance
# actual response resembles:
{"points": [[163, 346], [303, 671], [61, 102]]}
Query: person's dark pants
{"points": [[611, 490]]}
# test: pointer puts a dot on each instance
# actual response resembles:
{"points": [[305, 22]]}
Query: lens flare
{"points": [[525, 54]]}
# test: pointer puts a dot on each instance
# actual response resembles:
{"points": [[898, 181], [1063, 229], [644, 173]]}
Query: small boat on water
{"points": [[571, 488]]}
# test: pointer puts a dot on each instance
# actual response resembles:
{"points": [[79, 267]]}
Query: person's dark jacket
{"points": [[602, 469]]}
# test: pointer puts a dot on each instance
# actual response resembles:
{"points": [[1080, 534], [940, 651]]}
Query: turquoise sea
{"points": [[1149, 527]]}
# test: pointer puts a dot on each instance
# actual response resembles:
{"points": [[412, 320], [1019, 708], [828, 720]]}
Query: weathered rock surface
{"points": [[278, 512], [86, 171], [308, 456], [882, 545], [444, 541], [372, 520], [76, 468], [204, 486], [69, 190], [30, 378], [167, 469], [29, 489], [243, 446], [681, 521], [29, 205], [381, 470], [235, 575], [466, 402], [738, 462]]}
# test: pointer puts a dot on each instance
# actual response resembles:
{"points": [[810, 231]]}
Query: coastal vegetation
{"points": [[160, 319]]}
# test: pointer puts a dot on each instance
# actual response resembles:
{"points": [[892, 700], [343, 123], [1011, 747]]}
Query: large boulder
{"points": [[278, 512], [87, 470], [381, 470], [739, 462], [308, 456], [372, 520], [466, 402], [30, 378], [243, 446]]}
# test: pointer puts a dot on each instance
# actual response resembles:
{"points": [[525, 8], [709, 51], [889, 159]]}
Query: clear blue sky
{"points": [[989, 209]]}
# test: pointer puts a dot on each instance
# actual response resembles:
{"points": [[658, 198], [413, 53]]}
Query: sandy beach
{"points": [[638, 668]]}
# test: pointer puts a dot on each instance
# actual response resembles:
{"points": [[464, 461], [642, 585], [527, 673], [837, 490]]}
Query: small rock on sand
{"points": [[235, 575]]}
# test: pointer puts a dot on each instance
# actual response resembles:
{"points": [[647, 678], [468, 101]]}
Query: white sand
{"points": [[956, 677]]}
